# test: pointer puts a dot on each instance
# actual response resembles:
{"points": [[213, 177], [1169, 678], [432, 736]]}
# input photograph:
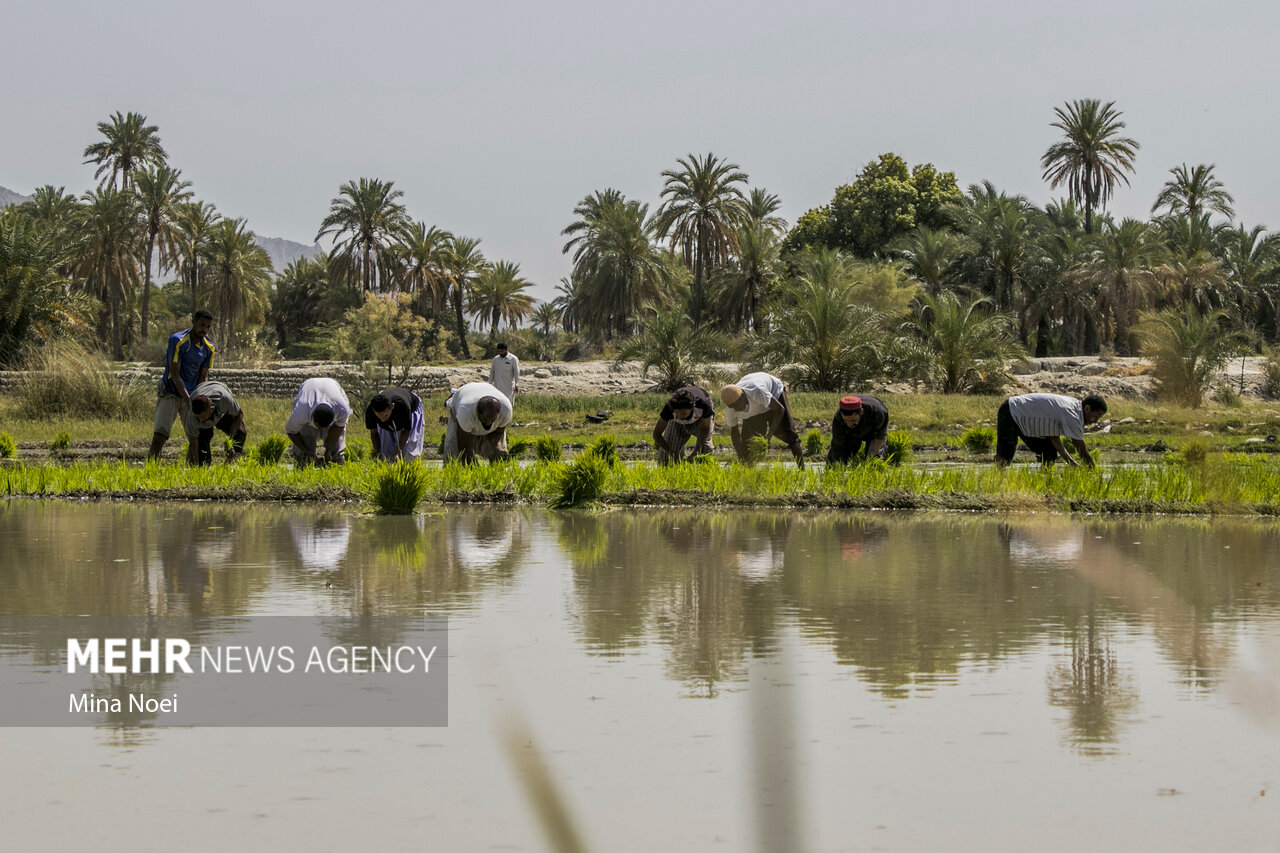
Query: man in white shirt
{"points": [[504, 373], [479, 415], [320, 413], [1039, 420], [757, 405]]}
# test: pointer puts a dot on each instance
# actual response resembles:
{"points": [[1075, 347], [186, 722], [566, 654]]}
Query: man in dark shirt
{"points": [[858, 420], [394, 420], [688, 413]]}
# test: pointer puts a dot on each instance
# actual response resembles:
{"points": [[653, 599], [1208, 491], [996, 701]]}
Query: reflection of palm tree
{"points": [[1092, 687]]}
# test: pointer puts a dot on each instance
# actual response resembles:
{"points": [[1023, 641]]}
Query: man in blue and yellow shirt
{"points": [[186, 365]]}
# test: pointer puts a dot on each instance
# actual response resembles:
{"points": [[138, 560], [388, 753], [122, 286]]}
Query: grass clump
{"points": [[61, 441], [271, 449], [606, 449], [900, 444], [517, 447], [813, 443], [399, 488], [68, 380], [978, 439], [580, 483], [8, 447], [358, 449], [1195, 452], [547, 449]]}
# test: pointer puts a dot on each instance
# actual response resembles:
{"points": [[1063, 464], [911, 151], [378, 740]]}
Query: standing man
{"points": [[213, 405], [859, 420], [394, 420], [320, 413], [757, 405], [1039, 420], [688, 413], [186, 364], [478, 418], [504, 373]]}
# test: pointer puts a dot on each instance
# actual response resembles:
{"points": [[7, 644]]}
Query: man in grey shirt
{"points": [[213, 405], [1039, 420]]}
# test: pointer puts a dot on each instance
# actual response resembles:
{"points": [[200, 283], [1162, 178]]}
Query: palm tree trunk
{"points": [[117, 349], [146, 287], [462, 326]]}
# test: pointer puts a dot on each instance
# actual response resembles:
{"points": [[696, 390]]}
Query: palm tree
{"points": [[193, 223], [110, 225], [1194, 191], [971, 344], [130, 143], [1251, 261], [1093, 157], [744, 282], [56, 210], [832, 339], [366, 221], [701, 210], [588, 211], [498, 294], [240, 272], [424, 255], [1187, 348], [32, 288], [160, 190], [762, 207], [618, 269], [674, 346], [463, 264], [546, 316], [929, 254], [1122, 269]]}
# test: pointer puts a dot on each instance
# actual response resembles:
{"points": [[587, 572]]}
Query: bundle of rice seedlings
{"points": [[899, 447], [61, 441], [978, 439], [400, 488], [547, 449], [757, 449], [813, 444], [8, 447], [270, 449], [581, 482], [517, 447], [606, 448]]}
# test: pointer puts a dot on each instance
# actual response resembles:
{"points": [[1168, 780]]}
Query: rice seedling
{"points": [[61, 441], [517, 447], [358, 449], [900, 447], [581, 482], [1195, 451], [8, 447], [399, 488], [813, 443], [270, 449], [757, 449], [606, 448], [978, 439], [547, 449]]}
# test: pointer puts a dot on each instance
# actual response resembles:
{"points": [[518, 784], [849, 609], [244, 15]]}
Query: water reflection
{"points": [[908, 602]]}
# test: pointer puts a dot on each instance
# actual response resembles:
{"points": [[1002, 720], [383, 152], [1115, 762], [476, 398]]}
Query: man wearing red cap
{"points": [[860, 419]]}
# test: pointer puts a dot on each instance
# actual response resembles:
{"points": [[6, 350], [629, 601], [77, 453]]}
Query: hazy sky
{"points": [[496, 118]]}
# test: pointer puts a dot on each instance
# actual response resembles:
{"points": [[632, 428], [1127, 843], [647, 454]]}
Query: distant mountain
{"points": [[8, 197], [284, 252]]}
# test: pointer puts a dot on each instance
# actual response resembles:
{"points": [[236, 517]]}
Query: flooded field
{"points": [[692, 679]]}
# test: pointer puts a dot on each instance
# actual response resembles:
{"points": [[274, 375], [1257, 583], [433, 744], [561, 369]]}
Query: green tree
{"points": [[422, 271], [1092, 158], [546, 317], [129, 143], [304, 300], [366, 221], [193, 226], [885, 201], [109, 225], [33, 291], [160, 190], [823, 329], [240, 274], [499, 294], [929, 254], [1122, 269], [1193, 191], [762, 207], [701, 210], [1251, 262], [618, 270], [673, 346], [971, 345], [464, 264], [1188, 348], [384, 330], [743, 284]]}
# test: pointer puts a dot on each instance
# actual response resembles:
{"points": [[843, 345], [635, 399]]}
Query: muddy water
{"points": [[692, 680]]}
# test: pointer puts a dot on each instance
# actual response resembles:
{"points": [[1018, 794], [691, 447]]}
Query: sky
{"points": [[496, 118]]}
